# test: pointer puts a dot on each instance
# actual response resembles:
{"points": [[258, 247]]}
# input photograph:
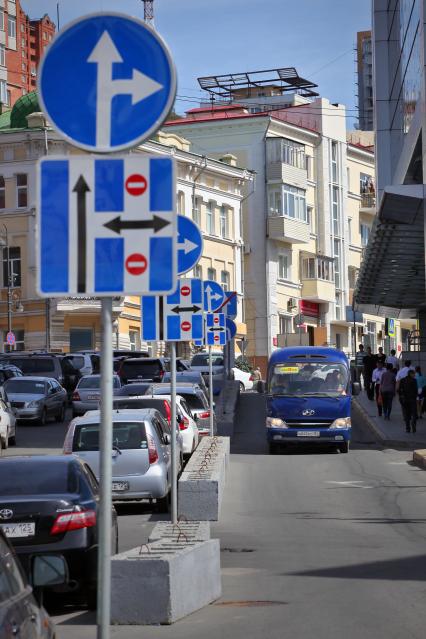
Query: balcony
{"points": [[368, 203], [286, 229], [320, 291]]}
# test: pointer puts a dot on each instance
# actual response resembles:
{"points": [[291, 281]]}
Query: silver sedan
{"points": [[36, 398], [87, 393]]}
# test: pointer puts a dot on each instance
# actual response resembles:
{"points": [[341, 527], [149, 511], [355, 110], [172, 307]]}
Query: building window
{"points": [[2, 193], [224, 232], [224, 280], [210, 218], [335, 208], [352, 276], [211, 274], [366, 184], [370, 338], [334, 163], [350, 230], [19, 341], [309, 214], [286, 151], [338, 305], [198, 272], [364, 231], [23, 78], [180, 203], [337, 264], [2, 55], [309, 163], [44, 35], [320, 268], [23, 43], [196, 211], [22, 27], [22, 190], [283, 267], [135, 340], [275, 203], [3, 91], [24, 66], [11, 27], [286, 324], [289, 202], [12, 266], [81, 339], [2, 20]]}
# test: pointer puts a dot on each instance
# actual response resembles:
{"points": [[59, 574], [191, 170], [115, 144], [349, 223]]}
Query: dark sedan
{"points": [[49, 504]]}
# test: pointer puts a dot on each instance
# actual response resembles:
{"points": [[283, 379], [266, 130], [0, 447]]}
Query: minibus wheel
{"points": [[344, 447]]}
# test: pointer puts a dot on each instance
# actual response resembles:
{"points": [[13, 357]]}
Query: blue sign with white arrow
{"points": [[214, 296], [230, 306], [231, 329], [190, 244], [107, 82]]}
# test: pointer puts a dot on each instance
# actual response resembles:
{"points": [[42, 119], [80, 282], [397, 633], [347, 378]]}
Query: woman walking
{"points": [[387, 390]]}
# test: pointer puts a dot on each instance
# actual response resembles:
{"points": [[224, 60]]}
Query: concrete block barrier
{"points": [[162, 582], [419, 458], [182, 531], [201, 485]]}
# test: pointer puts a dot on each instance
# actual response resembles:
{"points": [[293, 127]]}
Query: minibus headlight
{"points": [[341, 422], [275, 422]]}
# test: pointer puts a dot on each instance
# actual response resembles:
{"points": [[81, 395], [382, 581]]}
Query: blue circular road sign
{"points": [[107, 82], [190, 244], [214, 296], [231, 329], [10, 338]]}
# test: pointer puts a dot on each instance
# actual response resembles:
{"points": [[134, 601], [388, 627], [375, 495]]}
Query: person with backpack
{"points": [[408, 398]]}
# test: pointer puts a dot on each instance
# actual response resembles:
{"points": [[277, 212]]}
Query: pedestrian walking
{"points": [[392, 359], [256, 376], [369, 366], [376, 379], [403, 372], [359, 365], [421, 387], [387, 390], [381, 357], [408, 399]]}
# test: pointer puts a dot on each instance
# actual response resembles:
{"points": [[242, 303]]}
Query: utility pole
{"points": [[9, 283]]}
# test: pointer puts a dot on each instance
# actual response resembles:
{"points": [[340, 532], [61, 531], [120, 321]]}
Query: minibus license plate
{"points": [[308, 433], [120, 486]]}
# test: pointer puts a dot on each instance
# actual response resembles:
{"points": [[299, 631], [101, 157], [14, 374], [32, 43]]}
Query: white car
{"points": [[188, 426], [245, 379], [7, 425]]}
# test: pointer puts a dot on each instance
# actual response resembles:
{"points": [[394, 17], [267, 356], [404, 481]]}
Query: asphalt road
{"points": [[314, 543]]}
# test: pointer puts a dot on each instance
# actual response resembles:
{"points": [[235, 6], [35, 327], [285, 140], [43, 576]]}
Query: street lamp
{"points": [[116, 328], [9, 281]]}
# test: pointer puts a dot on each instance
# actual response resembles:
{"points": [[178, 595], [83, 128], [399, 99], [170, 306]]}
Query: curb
{"points": [[419, 458], [390, 443]]}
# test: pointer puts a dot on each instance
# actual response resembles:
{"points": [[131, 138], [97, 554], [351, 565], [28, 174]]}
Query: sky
{"points": [[210, 37]]}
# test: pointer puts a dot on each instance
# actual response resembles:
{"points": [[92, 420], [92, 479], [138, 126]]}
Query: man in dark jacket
{"points": [[369, 366], [408, 399]]}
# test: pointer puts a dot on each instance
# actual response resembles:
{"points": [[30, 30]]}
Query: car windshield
{"points": [[203, 360], [25, 386], [76, 361], [308, 378], [193, 400], [31, 477], [139, 367], [95, 382], [134, 389], [125, 436], [35, 365]]}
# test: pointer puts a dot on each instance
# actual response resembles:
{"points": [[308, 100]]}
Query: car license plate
{"points": [[120, 486], [308, 433], [97, 397], [18, 530]]}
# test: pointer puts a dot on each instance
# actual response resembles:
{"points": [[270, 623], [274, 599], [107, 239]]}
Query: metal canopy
{"points": [[392, 274], [286, 80]]}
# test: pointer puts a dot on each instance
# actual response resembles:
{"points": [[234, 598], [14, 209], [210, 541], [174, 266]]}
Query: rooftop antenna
{"points": [[57, 14], [148, 12]]}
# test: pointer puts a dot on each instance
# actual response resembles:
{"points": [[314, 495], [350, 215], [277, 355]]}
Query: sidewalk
{"points": [[390, 432]]}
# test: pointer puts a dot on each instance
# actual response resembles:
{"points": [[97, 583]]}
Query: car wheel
{"points": [[12, 440], [242, 387], [344, 448], [61, 416], [43, 418], [163, 504]]}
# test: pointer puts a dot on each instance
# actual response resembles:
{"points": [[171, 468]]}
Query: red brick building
{"points": [[22, 42]]}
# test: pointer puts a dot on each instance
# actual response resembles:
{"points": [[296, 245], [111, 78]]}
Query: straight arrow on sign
{"points": [[81, 188], [117, 224]]}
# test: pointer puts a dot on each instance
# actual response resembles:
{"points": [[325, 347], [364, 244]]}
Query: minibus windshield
{"points": [[304, 378]]}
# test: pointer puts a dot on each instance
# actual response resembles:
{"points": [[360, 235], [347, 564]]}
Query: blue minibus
{"points": [[308, 397]]}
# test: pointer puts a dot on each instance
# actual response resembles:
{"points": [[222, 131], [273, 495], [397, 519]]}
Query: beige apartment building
{"points": [[210, 191]]}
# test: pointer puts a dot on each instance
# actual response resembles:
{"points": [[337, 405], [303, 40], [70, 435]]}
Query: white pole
{"points": [[105, 501], [211, 390], [173, 433]]}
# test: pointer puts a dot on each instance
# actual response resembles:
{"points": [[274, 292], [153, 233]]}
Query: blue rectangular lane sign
{"points": [[215, 329], [230, 305], [100, 231]]}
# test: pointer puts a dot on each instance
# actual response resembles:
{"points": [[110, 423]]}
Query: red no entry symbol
{"points": [[216, 320], [136, 264], [186, 326], [216, 338], [185, 290], [136, 184]]}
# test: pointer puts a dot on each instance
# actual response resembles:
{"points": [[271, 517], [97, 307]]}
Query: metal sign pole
{"points": [[173, 433], [105, 502], [211, 390]]}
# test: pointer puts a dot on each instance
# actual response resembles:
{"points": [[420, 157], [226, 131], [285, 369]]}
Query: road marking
{"points": [[349, 484]]}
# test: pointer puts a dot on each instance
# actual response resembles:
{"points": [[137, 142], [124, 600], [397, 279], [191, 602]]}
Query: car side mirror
{"points": [[356, 388], [49, 570], [260, 386], [167, 439]]}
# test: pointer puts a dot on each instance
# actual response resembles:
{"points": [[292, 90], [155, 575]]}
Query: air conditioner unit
{"points": [[247, 248]]}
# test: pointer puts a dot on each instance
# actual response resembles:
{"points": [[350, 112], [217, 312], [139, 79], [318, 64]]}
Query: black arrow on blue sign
{"points": [[81, 188]]}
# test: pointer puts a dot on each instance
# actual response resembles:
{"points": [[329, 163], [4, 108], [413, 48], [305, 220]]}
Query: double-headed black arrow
{"points": [[186, 309], [218, 328], [81, 188], [117, 224]]}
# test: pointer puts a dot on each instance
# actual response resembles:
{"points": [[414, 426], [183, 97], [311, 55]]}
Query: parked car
{"points": [[181, 364], [151, 369], [200, 363], [49, 504], [88, 393], [39, 364], [187, 427], [36, 398], [128, 353], [21, 615], [7, 425], [196, 401], [191, 377], [131, 390], [245, 378], [141, 462], [74, 367]]}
